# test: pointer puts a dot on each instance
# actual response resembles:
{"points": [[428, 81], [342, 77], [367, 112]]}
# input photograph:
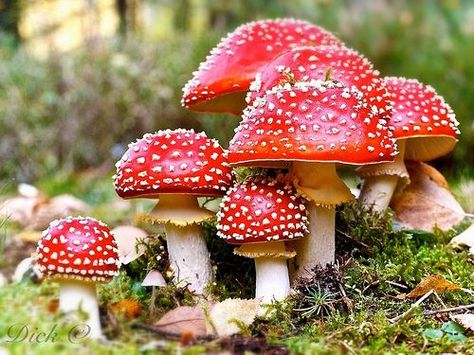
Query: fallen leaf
{"points": [[454, 331], [226, 318], [182, 320], [19, 209], [53, 306], [127, 238], [465, 239], [129, 308], [466, 320], [432, 334], [427, 202], [57, 207], [432, 282], [154, 278]]}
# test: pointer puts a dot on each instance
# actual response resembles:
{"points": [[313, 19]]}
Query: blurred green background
{"points": [[79, 82]]}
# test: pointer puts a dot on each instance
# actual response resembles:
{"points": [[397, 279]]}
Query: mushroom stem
{"points": [[323, 188], [378, 189], [318, 248], [271, 274], [189, 257], [188, 254], [272, 281], [81, 295]]}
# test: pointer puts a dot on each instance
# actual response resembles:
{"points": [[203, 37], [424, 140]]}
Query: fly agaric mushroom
{"points": [[221, 82], [425, 128], [260, 214], [177, 166], [318, 63], [314, 125], [78, 252]]}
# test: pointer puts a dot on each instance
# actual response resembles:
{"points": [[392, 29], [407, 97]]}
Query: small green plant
{"points": [[320, 302]]}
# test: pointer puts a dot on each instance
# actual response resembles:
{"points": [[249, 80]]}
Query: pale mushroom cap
{"points": [[314, 122], [233, 64], [173, 162], [261, 210], [78, 247], [422, 118]]}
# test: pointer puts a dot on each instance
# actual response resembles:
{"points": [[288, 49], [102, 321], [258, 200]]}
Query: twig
{"points": [[413, 306], [471, 292], [439, 299], [397, 284], [446, 310], [470, 215], [171, 335]]}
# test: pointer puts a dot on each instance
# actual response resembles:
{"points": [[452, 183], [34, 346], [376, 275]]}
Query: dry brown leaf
{"points": [[225, 317], [427, 202], [183, 320], [465, 239], [58, 207], [53, 306], [466, 320], [129, 308], [432, 282]]}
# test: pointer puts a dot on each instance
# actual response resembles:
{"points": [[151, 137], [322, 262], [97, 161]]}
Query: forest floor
{"points": [[357, 306]]}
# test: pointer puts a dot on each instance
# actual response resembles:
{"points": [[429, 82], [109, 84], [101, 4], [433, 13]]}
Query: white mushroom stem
{"points": [[319, 247], [378, 189], [189, 256], [271, 270], [81, 295], [188, 253], [323, 188]]}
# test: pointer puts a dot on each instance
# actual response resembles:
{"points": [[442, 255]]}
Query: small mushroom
{"points": [[260, 214], [77, 253], [176, 167], [221, 82], [425, 128], [314, 125]]}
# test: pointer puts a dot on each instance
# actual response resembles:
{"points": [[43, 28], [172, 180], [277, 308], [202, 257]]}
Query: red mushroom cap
{"points": [[342, 64], [233, 64], [314, 122], [80, 248], [419, 112], [173, 162], [260, 210]]}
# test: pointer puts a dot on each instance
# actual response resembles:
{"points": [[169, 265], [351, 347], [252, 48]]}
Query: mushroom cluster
{"points": [[309, 105]]}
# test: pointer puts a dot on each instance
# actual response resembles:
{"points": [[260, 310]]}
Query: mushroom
{"points": [[320, 63], [260, 214], [176, 167], [425, 128], [78, 252], [222, 80], [314, 125]]}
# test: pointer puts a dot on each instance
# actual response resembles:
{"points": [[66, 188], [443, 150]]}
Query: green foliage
{"points": [[80, 109]]}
